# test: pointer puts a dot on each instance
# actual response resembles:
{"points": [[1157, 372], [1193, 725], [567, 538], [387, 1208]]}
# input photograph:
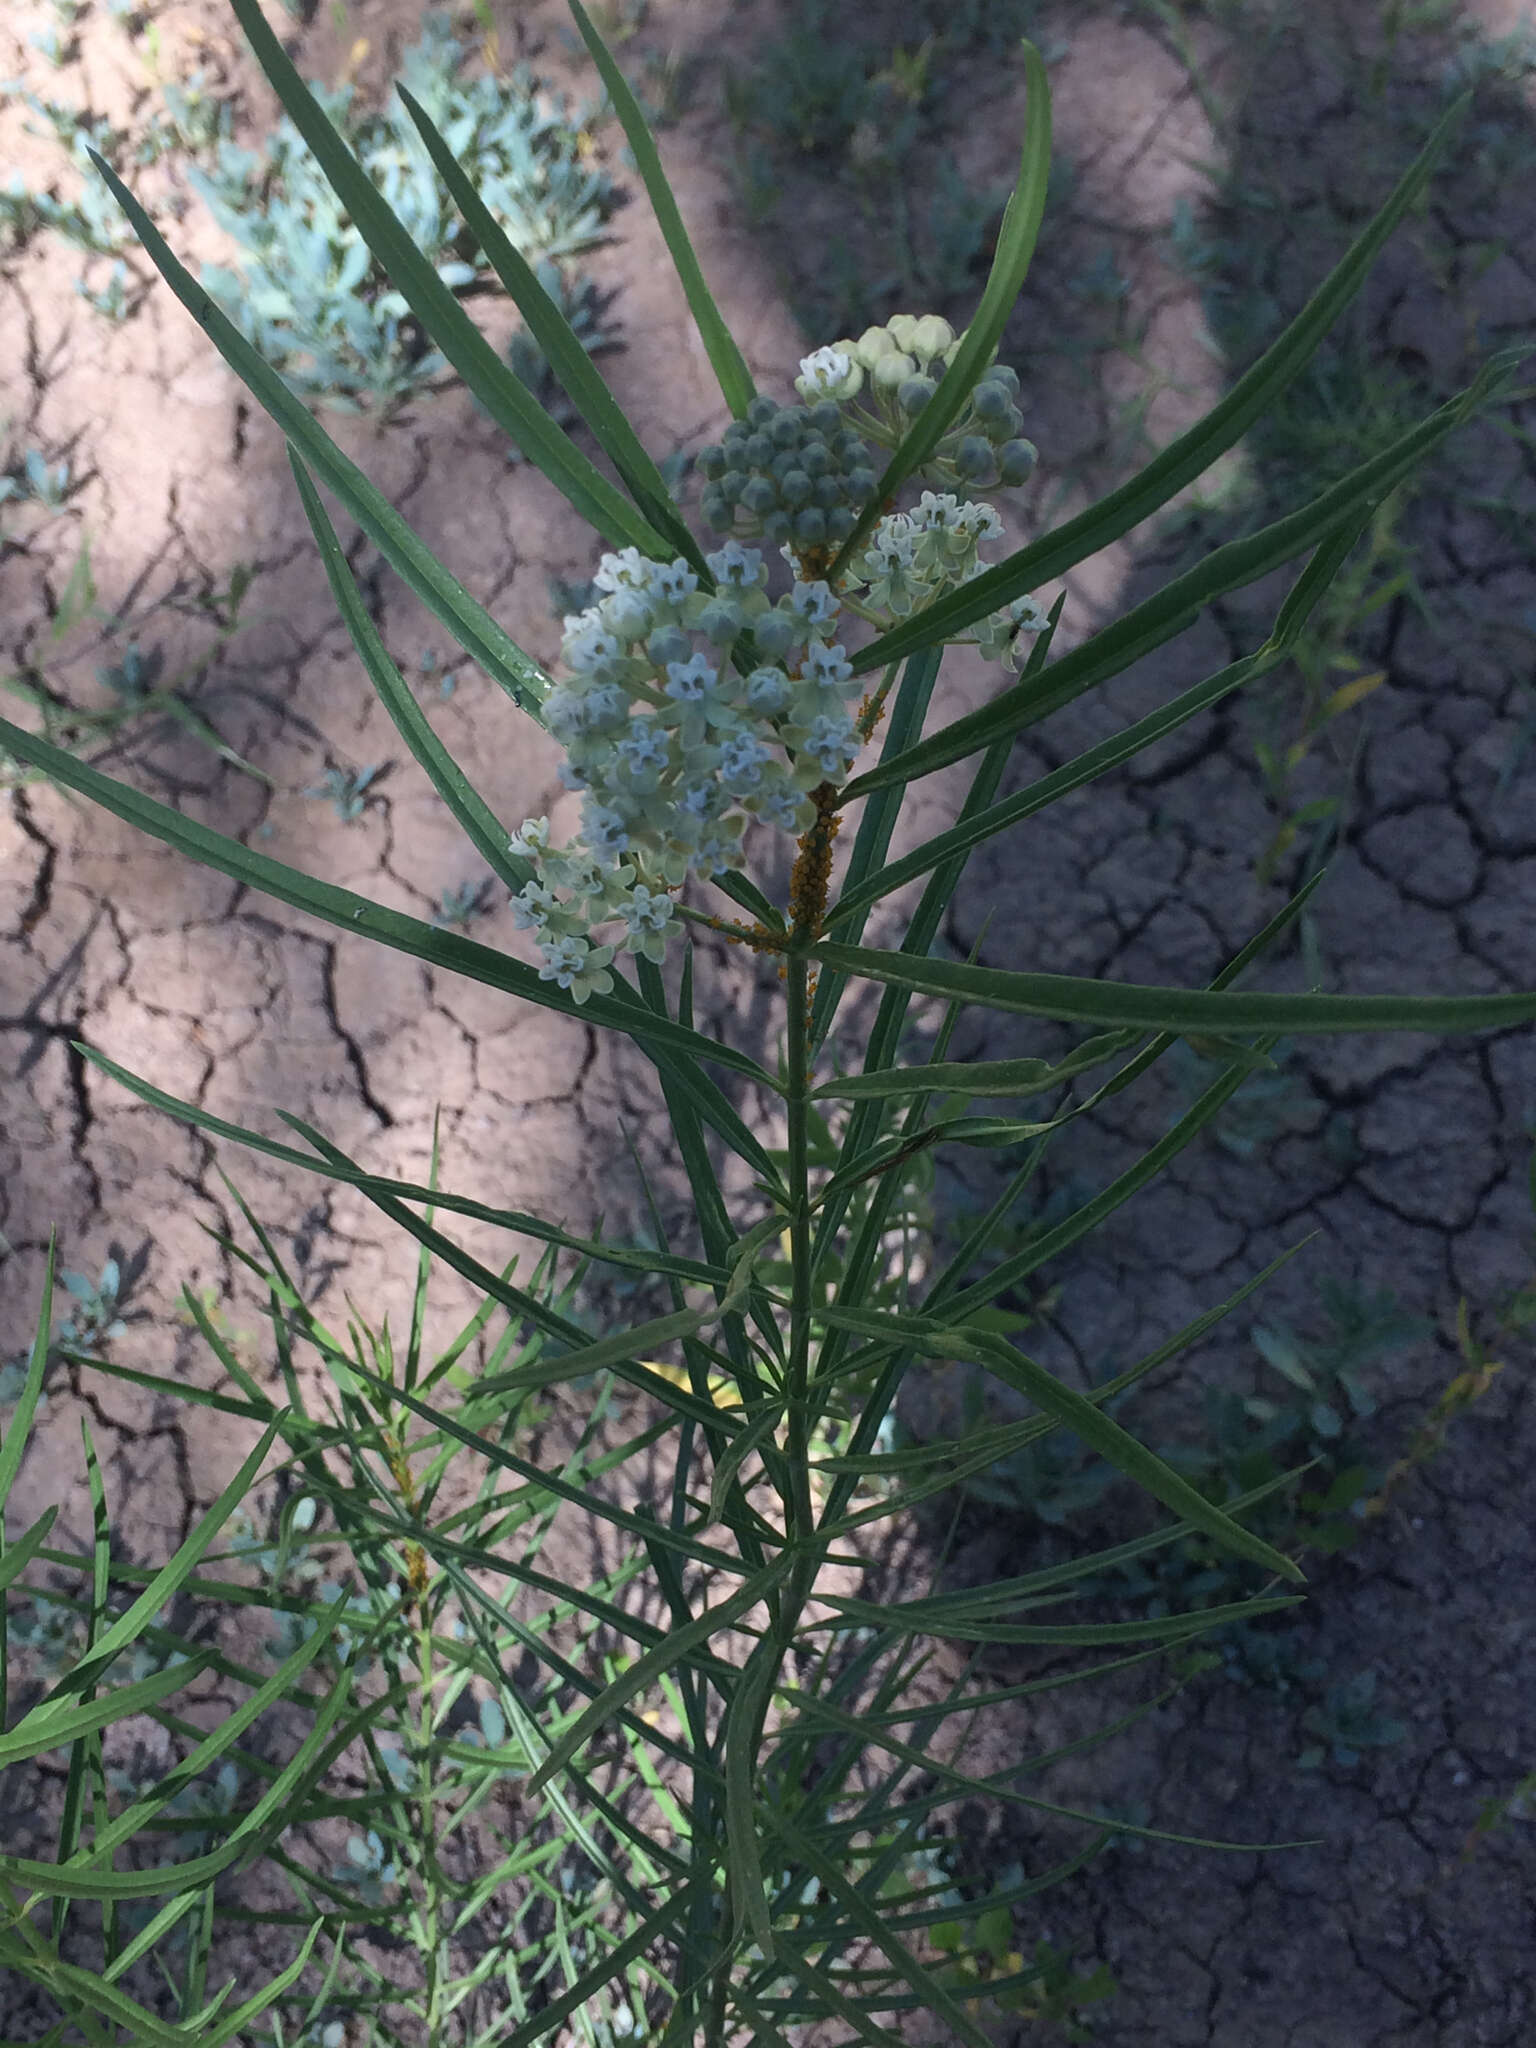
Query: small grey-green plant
{"points": [[308, 292], [37, 480], [346, 789], [1346, 1722], [461, 905]]}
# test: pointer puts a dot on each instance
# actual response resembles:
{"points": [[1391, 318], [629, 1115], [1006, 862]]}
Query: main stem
{"points": [[799, 1509]]}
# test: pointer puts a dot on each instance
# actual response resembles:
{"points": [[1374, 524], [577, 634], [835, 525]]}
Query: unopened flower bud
{"points": [[668, 643], [902, 328], [931, 336], [775, 634], [914, 393], [893, 370], [871, 345], [1015, 461]]}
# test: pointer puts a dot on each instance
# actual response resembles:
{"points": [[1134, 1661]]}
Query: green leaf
{"points": [[1010, 266], [480, 824], [1120, 1004], [725, 357], [865, 1918], [743, 1859], [19, 1553], [442, 594], [978, 1077], [930, 1338], [672, 1650], [14, 1441], [350, 912], [1194, 451], [1169, 611], [572, 364]]}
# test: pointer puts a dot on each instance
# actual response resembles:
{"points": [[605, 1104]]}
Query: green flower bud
{"points": [[762, 412], [810, 527], [974, 458], [668, 643], [931, 337], [710, 463], [903, 331], [1015, 460], [758, 496], [775, 633], [871, 345], [840, 523], [824, 416], [814, 459], [786, 429], [717, 514], [892, 371], [849, 449], [1001, 373], [914, 393], [731, 486], [734, 438], [720, 622], [861, 485], [990, 399], [776, 525], [759, 450], [826, 492], [794, 488]]}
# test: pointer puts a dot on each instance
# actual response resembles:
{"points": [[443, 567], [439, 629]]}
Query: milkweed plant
{"points": [[695, 1792]]}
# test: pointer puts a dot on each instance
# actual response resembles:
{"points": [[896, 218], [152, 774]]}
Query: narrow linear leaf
{"points": [[725, 357], [676, 1647], [579, 376], [442, 594], [350, 912], [1005, 280], [1120, 1004], [1195, 450]]}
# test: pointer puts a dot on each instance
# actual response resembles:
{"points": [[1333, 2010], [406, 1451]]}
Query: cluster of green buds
{"points": [[791, 473], [896, 368]]}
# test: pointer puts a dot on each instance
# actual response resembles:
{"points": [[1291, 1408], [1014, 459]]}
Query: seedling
{"points": [[346, 789], [1347, 1722]]}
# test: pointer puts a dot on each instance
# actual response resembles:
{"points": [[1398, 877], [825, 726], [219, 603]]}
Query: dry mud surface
{"points": [[1377, 1938]]}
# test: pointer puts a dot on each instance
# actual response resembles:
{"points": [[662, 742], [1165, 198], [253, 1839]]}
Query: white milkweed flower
{"points": [[828, 373], [832, 741], [815, 602], [530, 839], [627, 570], [576, 965], [829, 667], [741, 568], [649, 921], [673, 581], [533, 906], [690, 681]]}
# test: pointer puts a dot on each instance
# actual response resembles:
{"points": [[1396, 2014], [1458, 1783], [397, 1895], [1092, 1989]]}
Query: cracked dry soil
{"points": [[1380, 1937]]}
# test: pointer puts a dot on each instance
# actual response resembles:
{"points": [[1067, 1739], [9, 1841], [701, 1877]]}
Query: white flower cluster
{"points": [[913, 557], [676, 748]]}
